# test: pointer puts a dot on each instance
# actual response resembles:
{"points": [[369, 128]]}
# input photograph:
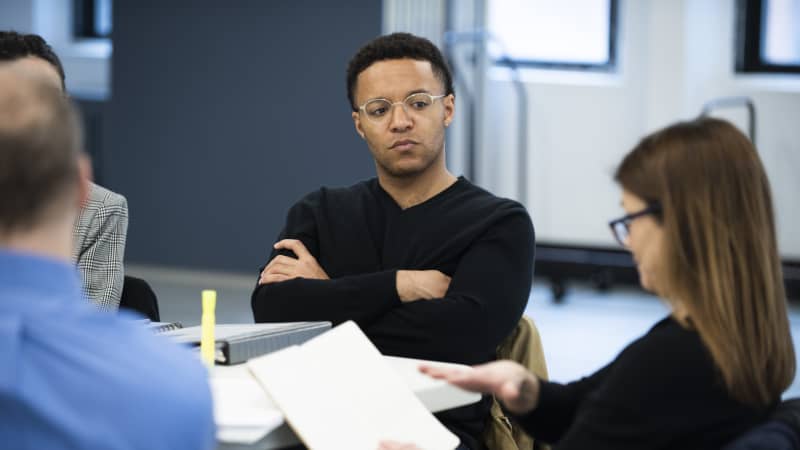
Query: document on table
{"points": [[337, 391], [243, 412]]}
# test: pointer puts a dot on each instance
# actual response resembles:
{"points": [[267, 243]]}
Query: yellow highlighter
{"points": [[207, 323]]}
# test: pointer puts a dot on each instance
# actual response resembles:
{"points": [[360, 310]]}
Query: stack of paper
{"points": [[337, 391], [243, 412]]}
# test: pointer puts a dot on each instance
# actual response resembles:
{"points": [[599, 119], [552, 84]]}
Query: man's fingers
{"points": [[280, 271], [294, 245], [304, 265], [281, 267], [281, 259], [443, 282], [444, 275], [273, 278]]}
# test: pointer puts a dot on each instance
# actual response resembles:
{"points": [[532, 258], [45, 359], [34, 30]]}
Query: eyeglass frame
{"points": [[626, 220], [402, 103]]}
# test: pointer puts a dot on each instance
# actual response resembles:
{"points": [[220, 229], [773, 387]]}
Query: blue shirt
{"points": [[72, 377]]}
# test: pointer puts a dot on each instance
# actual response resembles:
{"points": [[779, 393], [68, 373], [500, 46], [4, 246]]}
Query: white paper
{"points": [[242, 410], [337, 391]]}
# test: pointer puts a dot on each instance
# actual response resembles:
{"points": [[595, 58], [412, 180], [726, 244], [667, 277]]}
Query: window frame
{"points": [[609, 66], [749, 59], [83, 20]]}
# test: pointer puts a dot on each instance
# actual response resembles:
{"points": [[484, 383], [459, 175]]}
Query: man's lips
{"points": [[405, 144]]}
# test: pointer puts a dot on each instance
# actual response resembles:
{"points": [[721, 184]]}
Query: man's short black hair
{"points": [[14, 46], [397, 46]]}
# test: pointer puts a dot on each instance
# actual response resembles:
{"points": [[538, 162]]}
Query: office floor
{"points": [[580, 335]]}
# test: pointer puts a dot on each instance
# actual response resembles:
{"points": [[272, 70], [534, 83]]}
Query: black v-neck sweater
{"points": [[361, 238]]}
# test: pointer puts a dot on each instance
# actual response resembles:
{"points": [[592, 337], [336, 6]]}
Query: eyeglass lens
{"points": [[379, 109]]}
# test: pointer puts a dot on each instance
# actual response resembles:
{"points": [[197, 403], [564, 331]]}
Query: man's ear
{"points": [[84, 179], [357, 123], [449, 103]]}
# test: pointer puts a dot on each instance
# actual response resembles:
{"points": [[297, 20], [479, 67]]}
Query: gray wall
{"points": [[16, 15], [222, 115]]}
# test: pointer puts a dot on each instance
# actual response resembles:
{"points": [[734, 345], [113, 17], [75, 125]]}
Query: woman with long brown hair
{"points": [[700, 225]]}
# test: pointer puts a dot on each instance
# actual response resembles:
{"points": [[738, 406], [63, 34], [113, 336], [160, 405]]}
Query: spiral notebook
{"points": [[162, 327]]}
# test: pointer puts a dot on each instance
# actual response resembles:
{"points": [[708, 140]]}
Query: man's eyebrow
{"points": [[418, 91], [409, 93]]}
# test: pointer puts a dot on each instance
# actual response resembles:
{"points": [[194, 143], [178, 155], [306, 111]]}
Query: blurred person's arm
{"points": [[100, 233]]}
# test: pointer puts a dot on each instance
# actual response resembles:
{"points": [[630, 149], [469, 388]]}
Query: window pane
{"points": [[781, 32], [102, 17], [559, 31]]}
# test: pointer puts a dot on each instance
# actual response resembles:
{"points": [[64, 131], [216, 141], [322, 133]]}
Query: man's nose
{"points": [[400, 119]]}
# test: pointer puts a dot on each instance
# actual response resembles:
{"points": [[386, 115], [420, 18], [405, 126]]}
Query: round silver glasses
{"points": [[378, 110]]}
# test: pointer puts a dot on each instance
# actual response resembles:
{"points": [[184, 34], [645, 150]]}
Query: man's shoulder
{"points": [[480, 201], [100, 195], [101, 207], [103, 201], [340, 195], [155, 378], [89, 339], [361, 188]]}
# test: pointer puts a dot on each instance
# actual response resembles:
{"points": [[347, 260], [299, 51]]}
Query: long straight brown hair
{"points": [[721, 256]]}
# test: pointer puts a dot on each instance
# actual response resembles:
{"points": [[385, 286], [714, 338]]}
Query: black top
{"points": [[361, 237], [662, 392]]}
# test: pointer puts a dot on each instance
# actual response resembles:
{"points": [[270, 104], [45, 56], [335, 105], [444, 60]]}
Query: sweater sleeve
{"points": [[361, 298], [487, 294], [557, 406]]}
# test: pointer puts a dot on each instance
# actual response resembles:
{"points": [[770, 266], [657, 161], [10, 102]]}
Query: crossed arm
{"points": [[411, 285], [414, 313]]}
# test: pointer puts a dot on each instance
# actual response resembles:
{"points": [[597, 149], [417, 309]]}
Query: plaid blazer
{"points": [[100, 246]]}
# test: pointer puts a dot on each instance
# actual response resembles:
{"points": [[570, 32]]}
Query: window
{"points": [[768, 36], [557, 34], [92, 18]]}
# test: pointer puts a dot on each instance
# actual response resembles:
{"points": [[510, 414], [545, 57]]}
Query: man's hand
{"points": [[283, 268], [413, 285], [508, 381]]}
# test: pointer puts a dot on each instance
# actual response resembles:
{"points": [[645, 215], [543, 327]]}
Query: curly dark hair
{"points": [[397, 46], [14, 46]]}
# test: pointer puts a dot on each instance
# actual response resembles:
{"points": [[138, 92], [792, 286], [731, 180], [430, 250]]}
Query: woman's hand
{"points": [[510, 383]]}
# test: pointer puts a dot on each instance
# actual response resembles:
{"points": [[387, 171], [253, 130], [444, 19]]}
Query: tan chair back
{"points": [[523, 345]]}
